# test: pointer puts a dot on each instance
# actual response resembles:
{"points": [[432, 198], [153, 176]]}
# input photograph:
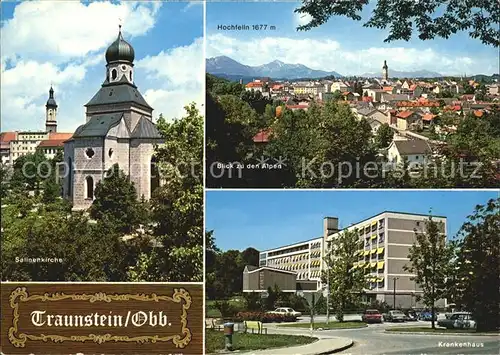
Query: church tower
{"points": [[51, 113], [119, 58], [385, 71], [118, 130]]}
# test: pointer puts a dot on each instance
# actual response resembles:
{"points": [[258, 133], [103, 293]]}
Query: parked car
{"points": [[372, 316], [395, 316], [458, 320], [286, 311], [427, 316]]}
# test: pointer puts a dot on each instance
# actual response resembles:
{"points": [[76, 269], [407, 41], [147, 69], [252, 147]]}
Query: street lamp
{"points": [[394, 293], [327, 294]]}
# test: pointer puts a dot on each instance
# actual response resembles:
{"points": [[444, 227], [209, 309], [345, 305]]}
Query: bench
{"points": [[213, 324], [255, 326]]}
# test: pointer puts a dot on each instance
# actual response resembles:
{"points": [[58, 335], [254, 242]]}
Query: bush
{"points": [[225, 308], [264, 317]]}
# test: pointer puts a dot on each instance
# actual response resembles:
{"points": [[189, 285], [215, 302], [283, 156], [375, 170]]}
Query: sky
{"points": [[269, 219], [340, 45], [63, 43]]}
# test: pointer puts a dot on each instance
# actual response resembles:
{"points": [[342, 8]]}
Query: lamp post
{"points": [[394, 293], [327, 295]]}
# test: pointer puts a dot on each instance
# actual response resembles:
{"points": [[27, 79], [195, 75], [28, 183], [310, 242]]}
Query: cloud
{"points": [[25, 89], [63, 43], [191, 4], [58, 31], [330, 55], [180, 73], [301, 19]]}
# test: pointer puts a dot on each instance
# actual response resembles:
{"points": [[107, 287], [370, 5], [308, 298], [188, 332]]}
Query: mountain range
{"points": [[405, 74], [276, 69], [231, 69]]}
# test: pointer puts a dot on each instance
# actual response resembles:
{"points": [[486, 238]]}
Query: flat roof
{"points": [[360, 222]]}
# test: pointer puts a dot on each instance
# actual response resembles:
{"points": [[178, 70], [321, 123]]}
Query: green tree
{"points": [[177, 205], [89, 252], [431, 19], [253, 301], [346, 283], [51, 191], [430, 260], [337, 95], [479, 262], [468, 89], [4, 180], [384, 136], [230, 129], [480, 93], [116, 201]]}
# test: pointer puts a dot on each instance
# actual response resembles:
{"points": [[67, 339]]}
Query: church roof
{"points": [[145, 129], [114, 94], [98, 126], [120, 50]]}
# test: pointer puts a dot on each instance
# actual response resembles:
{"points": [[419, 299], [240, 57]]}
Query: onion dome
{"points": [[51, 102], [120, 50]]}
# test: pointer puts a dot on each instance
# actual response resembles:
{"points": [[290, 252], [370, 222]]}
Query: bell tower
{"points": [[385, 71], [51, 113], [119, 59]]}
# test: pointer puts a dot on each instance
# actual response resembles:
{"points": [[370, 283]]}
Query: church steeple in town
{"points": [[385, 71], [51, 113], [119, 58]]}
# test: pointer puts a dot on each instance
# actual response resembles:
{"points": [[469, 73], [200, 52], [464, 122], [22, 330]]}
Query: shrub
{"points": [[225, 308], [264, 317]]}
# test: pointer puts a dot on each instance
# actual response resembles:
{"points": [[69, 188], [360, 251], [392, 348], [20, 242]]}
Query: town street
{"points": [[374, 340]]}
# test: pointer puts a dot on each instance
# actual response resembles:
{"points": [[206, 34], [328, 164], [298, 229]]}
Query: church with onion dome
{"points": [[118, 130]]}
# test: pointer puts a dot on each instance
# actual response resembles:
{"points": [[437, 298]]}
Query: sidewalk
{"points": [[320, 347]]}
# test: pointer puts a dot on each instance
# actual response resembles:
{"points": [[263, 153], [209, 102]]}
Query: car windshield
{"points": [[399, 313], [371, 312]]}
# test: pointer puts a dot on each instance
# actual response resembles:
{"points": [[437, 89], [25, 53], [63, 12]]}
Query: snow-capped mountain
{"points": [[405, 74], [275, 69]]}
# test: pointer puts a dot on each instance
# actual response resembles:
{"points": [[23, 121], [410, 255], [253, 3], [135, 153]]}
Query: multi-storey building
{"points": [[386, 241], [304, 258], [387, 238]]}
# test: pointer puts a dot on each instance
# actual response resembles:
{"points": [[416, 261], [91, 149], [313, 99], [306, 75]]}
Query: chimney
{"points": [[330, 226]]}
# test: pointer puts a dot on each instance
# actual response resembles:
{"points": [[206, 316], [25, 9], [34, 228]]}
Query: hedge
{"points": [[264, 317]]}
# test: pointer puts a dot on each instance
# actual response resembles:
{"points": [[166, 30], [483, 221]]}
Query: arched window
{"points": [[130, 75], [90, 187], [113, 74]]}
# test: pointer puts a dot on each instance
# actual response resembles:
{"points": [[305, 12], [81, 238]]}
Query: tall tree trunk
{"points": [[433, 309]]}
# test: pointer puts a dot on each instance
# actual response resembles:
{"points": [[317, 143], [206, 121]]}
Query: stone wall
{"points": [[141, 151]]}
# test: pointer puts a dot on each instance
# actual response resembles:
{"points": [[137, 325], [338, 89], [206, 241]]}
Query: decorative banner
{"points": [[104, 318]]}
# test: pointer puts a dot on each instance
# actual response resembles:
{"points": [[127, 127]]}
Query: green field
{"points": [[330, 325], [214, 341]]}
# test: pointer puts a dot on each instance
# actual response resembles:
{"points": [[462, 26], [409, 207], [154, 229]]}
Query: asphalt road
{"points": [[374, 340]]}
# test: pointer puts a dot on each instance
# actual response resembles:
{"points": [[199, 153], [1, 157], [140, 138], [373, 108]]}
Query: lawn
{"points": [[214, 341], [437, 330], [330, 325]]}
